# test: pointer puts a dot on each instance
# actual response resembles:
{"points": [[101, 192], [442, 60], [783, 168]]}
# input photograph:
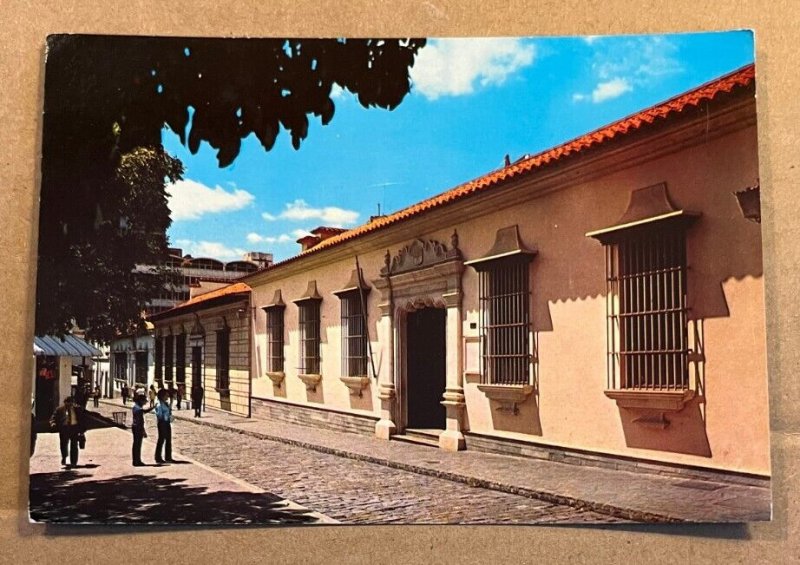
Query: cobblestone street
{"points": [[353, 491]]}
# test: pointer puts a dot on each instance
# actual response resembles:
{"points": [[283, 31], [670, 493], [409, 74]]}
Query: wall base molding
{"points": [[519, 448]]}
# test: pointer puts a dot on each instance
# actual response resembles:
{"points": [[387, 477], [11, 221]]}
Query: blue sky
{"points": [[472, 102]]}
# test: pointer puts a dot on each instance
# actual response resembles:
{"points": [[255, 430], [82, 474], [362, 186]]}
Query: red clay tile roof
{"points": [[693, 98], [230, 290]]}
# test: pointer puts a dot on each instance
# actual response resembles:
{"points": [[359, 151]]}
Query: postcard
{"points": [[299, 281]]}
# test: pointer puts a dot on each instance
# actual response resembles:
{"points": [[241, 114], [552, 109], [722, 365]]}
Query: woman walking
{"points": [[164, 421]]}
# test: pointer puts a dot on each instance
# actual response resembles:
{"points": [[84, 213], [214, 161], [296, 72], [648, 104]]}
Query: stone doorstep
{"points": [[551, 497]]}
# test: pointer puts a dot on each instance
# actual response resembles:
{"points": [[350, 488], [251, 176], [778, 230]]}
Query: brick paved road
{"points": [[359, 492]]}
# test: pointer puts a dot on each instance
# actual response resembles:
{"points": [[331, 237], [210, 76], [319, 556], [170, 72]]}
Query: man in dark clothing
{"points": [[138, 429], [197, 399], [164, 422], [124, 393], [68, 419], [180, 392]]}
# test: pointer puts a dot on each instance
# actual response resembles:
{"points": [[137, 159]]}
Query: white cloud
{"points": [[626, 64], [190, 200], [256, 238], [300, 233], [451, 67], [213, 249], [611, 89], [337, 92], [299, 211]]}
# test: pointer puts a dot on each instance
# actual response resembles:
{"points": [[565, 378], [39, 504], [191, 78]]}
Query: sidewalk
{"points": [[631, 496], [106, 489]]}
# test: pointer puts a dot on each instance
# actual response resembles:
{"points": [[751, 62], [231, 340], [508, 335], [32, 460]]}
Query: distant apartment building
{"points": [[133, 357]]}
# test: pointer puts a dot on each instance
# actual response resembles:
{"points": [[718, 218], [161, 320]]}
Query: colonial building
{"points": [[601, 301], [206, 341], [139, 360]]}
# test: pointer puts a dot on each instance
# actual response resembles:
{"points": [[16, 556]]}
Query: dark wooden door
{"points": [[426, 364]]}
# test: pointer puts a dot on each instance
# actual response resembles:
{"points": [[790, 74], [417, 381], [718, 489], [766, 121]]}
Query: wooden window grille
{"points": [[646, 310], [159, 361], [354, 336], [275, 339], [309, 337], [223, 358], [169, 351], [180, 358], [504, 296]]}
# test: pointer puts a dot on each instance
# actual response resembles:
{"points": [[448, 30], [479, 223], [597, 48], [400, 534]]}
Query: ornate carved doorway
{"points": [[421, 386], [425, 368]]}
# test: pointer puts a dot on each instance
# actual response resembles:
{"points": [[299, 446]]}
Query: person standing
{"points": [[69, 421], [164, 422], [197, 399], [152, 395], [96, 396], [124, 393], [139, 432], [180, 393]]}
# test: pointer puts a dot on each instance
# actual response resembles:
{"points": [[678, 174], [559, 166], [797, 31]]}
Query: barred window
{"points": [[309, 337], [223, 358], [159, 361], [141, 367], [169, 346], [121, 366], [505, 322], [354, 336], [504, 298], [180, 358], [647, 313], [275, 339]]}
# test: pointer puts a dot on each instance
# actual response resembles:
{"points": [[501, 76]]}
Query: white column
{"points": [[387, 392], [452, 439]]}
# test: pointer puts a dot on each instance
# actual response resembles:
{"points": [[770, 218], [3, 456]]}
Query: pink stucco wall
{"points": [[726, 427]]}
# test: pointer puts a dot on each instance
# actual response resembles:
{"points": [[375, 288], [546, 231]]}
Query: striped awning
{"points": [[67, 346]]}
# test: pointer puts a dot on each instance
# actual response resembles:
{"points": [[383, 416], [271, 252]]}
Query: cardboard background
{"points": [[24, 28]]}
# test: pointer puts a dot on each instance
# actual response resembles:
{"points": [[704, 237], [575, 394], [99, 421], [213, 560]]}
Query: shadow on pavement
{"points": [[64, 498], [94, 421]]}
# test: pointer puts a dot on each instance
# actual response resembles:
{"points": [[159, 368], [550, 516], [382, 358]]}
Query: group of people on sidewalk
{"points": [[175, 395], [164, 419], [69, 420]]}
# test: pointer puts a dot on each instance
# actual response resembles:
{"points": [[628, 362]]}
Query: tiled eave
{"points": [[688, 106]]}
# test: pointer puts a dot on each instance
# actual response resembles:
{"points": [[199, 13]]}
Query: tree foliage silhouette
{"points": [[110, 97]]}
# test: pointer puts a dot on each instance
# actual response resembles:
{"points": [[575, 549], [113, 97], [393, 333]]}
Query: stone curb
{"points": [[554, 498]]}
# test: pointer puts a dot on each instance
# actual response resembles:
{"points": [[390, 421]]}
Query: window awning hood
{"points": [[507, 245], [649, 206]]}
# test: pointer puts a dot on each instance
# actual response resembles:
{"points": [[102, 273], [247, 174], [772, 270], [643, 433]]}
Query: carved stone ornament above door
{"points": [[419, 254]]}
